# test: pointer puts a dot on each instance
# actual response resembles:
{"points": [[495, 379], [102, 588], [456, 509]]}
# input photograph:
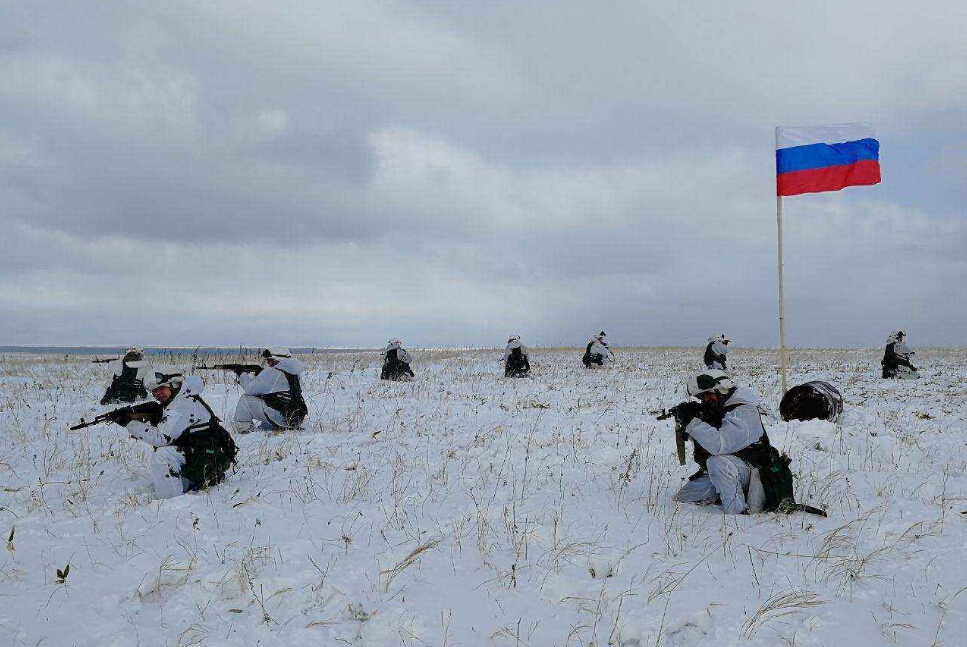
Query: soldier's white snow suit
{"points": [[602, 349], [903, 352], [728, 476], [398, 369], [166, 461], [270, 379], [718, 348]]}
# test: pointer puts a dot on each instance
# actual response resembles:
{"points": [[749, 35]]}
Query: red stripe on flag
{"points": [[830, 178]]}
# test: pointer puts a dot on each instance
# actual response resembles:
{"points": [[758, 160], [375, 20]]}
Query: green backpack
{"points": [[209, 451], [777, 485]]}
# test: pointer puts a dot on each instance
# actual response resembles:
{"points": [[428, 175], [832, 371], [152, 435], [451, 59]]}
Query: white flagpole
{"points": [[782, 302], [782, 294]]}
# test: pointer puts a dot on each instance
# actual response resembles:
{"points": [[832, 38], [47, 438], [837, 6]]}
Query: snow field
{"points": [[468, 509]]}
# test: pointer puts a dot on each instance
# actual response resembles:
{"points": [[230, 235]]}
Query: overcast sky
{"points": [[337, 173]]}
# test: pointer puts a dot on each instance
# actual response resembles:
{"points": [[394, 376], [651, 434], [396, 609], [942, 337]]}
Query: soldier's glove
{"points": [[686, 412], [120, 417], [713, 415]]}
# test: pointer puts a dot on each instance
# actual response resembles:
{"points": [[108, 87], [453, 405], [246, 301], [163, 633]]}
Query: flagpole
{"points": [[782, 291], [782, 301]]}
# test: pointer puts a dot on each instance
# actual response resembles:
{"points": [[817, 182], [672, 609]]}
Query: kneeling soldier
{"points": [[273, 396], [598, 353], [127, 386], [192, 449], [396, 362], [729, 441], [516, 361], [716, 351], [896, 358]]}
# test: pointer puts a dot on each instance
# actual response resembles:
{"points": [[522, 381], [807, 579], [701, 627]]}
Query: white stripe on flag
{"points": [[787, 136]]}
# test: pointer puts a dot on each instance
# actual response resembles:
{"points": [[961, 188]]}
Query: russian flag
{"points": [[812, 159]]}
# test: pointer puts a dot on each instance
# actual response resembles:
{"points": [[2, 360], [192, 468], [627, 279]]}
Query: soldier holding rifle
{"points": [[272, 394], [738, 467], [192, 450]]}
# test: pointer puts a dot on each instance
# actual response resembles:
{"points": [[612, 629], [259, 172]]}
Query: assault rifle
{"points": [[145, 412], [683, 414], [98, 360], [238, 369]]}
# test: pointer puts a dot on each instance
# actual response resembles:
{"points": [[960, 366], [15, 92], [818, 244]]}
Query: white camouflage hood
{"points": [[744, 395], [191, 386], [292, 366]]}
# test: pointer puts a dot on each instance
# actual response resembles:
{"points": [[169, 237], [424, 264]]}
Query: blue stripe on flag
{"points": [[801, 158]]}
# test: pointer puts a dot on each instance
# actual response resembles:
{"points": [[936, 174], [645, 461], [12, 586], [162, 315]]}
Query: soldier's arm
{"points": [[263, 383], [740, 428], [169, 429], [244, 379]]}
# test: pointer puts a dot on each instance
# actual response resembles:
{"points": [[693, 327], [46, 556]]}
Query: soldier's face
{"points": [[271, 361], [162, 394], [709, 397]]}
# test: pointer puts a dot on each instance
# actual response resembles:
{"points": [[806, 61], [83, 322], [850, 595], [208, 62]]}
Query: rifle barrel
{"points": [[88, 423]]}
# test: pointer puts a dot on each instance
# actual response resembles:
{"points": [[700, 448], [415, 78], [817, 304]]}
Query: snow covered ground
{"points": [[468, 509]]}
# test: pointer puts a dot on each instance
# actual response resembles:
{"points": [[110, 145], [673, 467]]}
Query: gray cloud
{"points": [[336, 174]]}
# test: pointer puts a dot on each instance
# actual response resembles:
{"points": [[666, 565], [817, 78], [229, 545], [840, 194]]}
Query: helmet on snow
{"points": [[712, 380]]}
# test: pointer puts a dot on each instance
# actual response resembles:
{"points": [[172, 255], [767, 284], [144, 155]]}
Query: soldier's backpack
{"points": [[395, 368], [209, 451], [290, 403], [777, 485], [770, 471], [516, 365], [590, 358], [126, 387]]}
